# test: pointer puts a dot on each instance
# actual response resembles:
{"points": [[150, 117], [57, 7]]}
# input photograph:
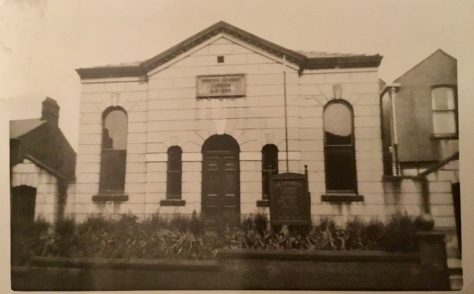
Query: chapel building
{"points": [[202, 126]]}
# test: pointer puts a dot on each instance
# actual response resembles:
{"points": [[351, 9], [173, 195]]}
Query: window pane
{"points": [[444, 122], [174, 159], [174, 185], [113, 170], [337, 124], [340, 169], [174, 173], [443, 98], [115, 130], [270, 157], [269, 166]]}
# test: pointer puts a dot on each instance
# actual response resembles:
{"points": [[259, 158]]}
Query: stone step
{"points": [[455, 273], [455, 282]]}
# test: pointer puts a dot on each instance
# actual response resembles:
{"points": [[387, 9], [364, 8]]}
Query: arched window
{"points": [[269, 167], [173, 180], [114, 150], [339, 151]]}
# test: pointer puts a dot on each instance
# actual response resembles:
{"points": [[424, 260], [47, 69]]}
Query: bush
{"points": [[184, 237], [27, 242], [400, 234]]}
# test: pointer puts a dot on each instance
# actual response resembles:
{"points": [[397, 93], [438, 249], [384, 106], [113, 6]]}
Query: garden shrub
{"points": [[400, 233], [27, 242], [193, 237]]}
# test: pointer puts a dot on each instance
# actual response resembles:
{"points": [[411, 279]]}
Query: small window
{"points": [[339, 151], [220, 59], [269, 167], [114, 150], [173, 181], [443, 102]]}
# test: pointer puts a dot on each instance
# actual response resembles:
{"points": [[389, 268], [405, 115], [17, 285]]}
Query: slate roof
{"points": [[305, 60], [438, 51], [44, 144], [21, 127]]}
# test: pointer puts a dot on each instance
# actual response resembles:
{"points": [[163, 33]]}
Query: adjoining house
{"points": [[420, 137], [42, 165], [201, 126], [420, 115]]}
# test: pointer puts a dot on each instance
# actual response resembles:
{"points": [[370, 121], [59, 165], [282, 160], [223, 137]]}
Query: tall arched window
{"points": [[173, 181], [114, 151], [339, 151], [269, 167]]}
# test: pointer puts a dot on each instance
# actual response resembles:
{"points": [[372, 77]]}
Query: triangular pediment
{"points": [[222, 28]]}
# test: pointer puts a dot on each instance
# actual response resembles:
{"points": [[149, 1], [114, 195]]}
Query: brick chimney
{"points": [[50, 111]]}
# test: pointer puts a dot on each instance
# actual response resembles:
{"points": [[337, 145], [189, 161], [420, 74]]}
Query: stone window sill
{"points": [[116, 197], [263, 203], [335, 197], [445, 137], [172, 202]]}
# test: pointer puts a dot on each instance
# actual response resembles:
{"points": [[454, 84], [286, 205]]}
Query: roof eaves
{"points": [[111, 72], [298, 58], [48, 168], [343, 62], [27, 131]]}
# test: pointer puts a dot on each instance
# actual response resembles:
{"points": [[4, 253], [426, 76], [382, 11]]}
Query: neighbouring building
{"points": [[201, 126], [420, 115], [42, 165], [420, 137]]}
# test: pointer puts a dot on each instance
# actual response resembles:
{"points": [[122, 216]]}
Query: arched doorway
{"points": [[220, 177]]}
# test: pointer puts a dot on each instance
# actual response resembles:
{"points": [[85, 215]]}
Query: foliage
{"points": [[196, 237], [400, 233]]}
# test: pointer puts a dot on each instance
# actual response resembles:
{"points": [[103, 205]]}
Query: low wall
{"points": [[249, 269]]}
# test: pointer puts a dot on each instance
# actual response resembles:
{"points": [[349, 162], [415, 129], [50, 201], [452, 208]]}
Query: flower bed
{"points": [[198, 238]]}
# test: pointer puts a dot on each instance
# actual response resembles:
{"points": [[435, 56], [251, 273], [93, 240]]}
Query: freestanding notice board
{"points": [[290, 199]]}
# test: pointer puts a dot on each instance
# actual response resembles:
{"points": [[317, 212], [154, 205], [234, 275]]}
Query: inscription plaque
{"points": [[220, 86], [289, 200]]}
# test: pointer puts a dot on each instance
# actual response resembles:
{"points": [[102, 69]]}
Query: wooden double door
{"points": [[221, 183]]}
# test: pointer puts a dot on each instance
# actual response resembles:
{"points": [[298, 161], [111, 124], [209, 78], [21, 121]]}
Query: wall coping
{"points": [[211, 264], [319, 255], [146, 264]]}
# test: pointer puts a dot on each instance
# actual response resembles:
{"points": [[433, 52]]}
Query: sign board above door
{"points": [[220, 86]]}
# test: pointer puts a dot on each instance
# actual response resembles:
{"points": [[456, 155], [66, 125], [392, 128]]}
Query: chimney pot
{"points": [[50, 111]]}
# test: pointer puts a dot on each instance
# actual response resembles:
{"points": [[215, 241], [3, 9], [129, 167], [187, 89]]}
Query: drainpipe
{"points": [[393, 122], [286, 114]]}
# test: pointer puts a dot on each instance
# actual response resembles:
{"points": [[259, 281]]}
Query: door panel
{"points": [[221, 183]]}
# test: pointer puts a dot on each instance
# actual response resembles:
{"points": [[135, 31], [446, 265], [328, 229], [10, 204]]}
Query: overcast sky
{"points": [[43, 41]]}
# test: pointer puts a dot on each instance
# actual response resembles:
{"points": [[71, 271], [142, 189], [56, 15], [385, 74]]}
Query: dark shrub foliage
{"points": [[196, 237], [400, 233]]}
